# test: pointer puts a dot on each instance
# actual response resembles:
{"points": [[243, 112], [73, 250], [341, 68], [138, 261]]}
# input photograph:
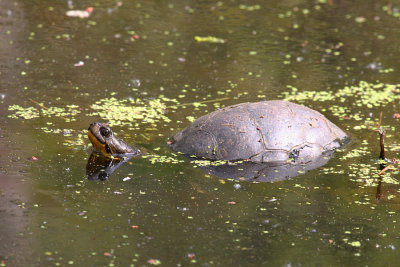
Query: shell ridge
{"points": [[259, 129], [213, 139], [290, 109], [215, 143], [209, 116]]}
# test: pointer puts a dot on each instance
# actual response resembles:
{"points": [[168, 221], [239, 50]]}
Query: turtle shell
{"points": [[267, 131]]}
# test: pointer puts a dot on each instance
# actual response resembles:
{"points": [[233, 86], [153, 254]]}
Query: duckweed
{"points": [[24, 113], [250, 8], [68, 113], [363, 95], [127, 112], [153, 158], [205, 163], [358, 152], [295, 95], [209, 39]]}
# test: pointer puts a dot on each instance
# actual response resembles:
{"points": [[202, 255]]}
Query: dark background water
{"points": [[172, 213]]}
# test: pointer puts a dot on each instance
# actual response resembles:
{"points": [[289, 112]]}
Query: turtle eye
{"points": [[105, 132]]}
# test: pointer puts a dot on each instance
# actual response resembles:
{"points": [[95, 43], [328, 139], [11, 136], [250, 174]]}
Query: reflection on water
{"points": [[265, 172], [99, 168]]}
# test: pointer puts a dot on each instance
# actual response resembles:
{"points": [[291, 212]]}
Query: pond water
{"points": [[149, 68]]}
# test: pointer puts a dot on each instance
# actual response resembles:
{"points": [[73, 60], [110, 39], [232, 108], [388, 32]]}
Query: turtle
{"points": [[266, 131]]}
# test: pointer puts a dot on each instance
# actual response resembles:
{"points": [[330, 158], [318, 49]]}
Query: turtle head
{"points": [[105, 142]]}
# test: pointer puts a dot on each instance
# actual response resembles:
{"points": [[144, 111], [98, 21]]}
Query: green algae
{"points": [[67, 113], [365, 94], [249, 8], [367, 175], [154, 158], [348, 102], [355, 153], [127, 112], [369, 95], [388, 70], [205, 163], [24, 113], [340, 111], [190, 118], [300, 96], [209, 39]]}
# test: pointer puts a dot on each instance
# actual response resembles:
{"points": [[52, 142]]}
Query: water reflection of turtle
{"points": [[99, 168], [263, 171], [275, 133]]}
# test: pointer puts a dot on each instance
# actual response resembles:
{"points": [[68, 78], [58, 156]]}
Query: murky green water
{"points": [[139, 65]]}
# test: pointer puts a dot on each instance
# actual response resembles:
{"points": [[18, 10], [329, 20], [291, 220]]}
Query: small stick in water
{"points": [[378, 194], [381, 139], [42, 106], [385, 169]]}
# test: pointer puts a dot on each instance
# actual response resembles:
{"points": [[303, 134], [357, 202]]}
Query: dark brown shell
{"points": [[267, 131]]}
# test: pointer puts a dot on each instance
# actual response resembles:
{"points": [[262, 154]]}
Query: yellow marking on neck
{"points": [[99, 146]]}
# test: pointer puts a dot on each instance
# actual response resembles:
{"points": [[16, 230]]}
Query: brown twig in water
{"points": [[378, 194], [37, 103], [42, 106], [382, 144], [385, 169], [382, 157]]}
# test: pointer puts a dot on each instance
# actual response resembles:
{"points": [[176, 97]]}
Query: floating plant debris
{"points": [[209, 39]]}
